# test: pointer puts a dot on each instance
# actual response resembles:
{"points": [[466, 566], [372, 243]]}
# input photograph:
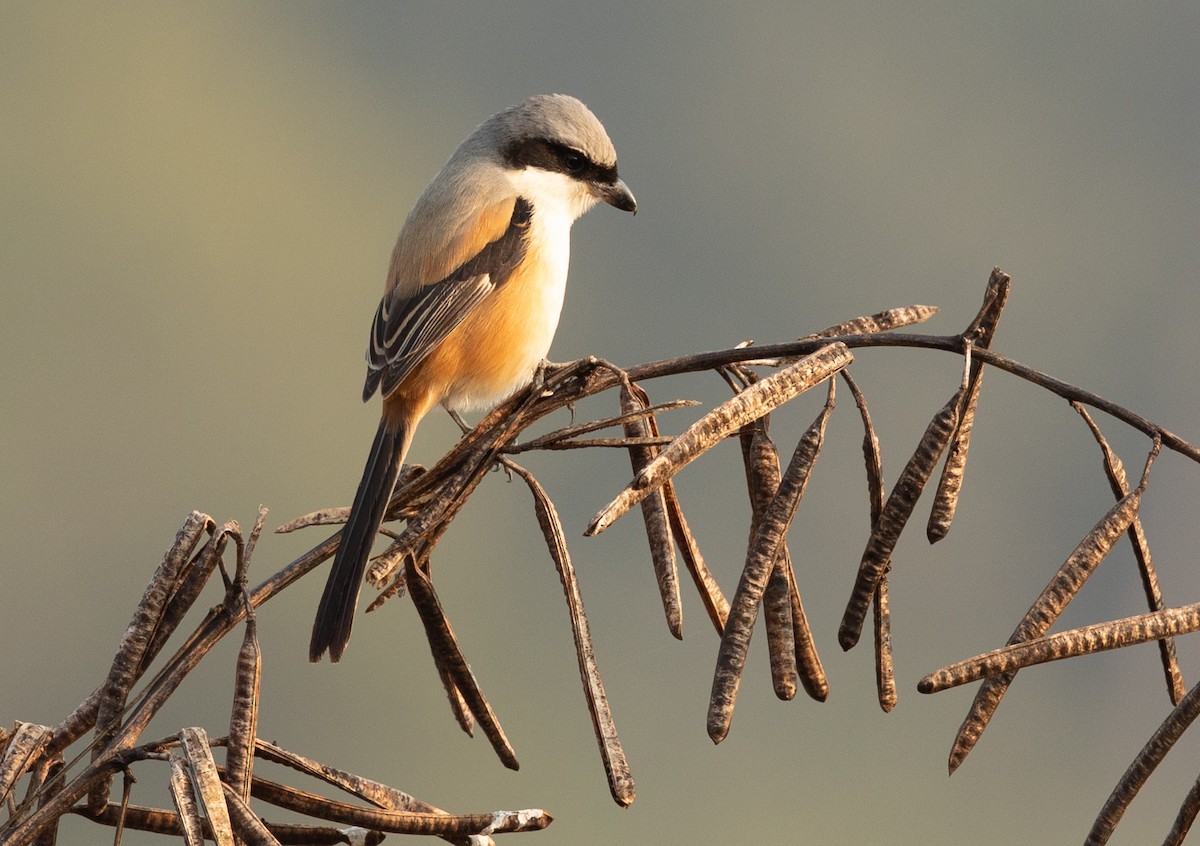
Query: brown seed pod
{"points": [[207, 782], [761, 461], [1061, 589], [884, 321], [755, 401], [1114, 469], [1115, 634], [448, 654], [885, 673], [760, 560], [894, 517], [654, 511], [243, 722], [1143, 766], [616, 766]]}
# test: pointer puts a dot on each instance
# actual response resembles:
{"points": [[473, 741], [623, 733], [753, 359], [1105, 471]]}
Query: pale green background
{"points": [[197, 203]]}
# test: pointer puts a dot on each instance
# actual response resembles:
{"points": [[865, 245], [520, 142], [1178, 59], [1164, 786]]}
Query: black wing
{"points": [[405, 331]]}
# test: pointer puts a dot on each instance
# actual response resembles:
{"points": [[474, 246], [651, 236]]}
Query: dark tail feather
{"points": [[335, 614]]}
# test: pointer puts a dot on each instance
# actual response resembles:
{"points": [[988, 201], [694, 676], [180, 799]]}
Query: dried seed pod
{"points": [[184, 798], [1115, 471], [250, 829], [623, 443], [458, 705], [131, 652], [384, 565], [243, 723], [715, 604], [335, 516], [1143, 766], [48, 782], [894, 517], [790, 643], [808, 662], [453, 827], [435, 514], [760, 560], [752, 403], [983, 328], [654, 511], [247, 553], [388, 565], [1186, 816], [616, 767], [884, 321], [757, 400], [194, 742], [1115, 634], [187, 590], [979, 334], [781, 636], [447, 654], [761, 461], [945, 500], [23, 749], [885, 675], [395, 587], [872, 455], [1046, 608], [377, 793], [567, 434]]}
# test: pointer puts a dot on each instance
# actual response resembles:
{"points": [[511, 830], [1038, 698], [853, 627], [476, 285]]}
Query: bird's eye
{"points": [[574, 161]]}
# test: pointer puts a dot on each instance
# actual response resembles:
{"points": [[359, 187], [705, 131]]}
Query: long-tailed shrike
{"points": [[472, 300]]}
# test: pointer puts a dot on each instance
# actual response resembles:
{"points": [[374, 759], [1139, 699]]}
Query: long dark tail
{"points": [[335, 614]]}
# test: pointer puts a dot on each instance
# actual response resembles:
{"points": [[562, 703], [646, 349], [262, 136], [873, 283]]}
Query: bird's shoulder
{"points": [[413, 318], [453, 221]]}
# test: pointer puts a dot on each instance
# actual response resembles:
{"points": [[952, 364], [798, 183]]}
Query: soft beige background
{"points": [[197, 203]]}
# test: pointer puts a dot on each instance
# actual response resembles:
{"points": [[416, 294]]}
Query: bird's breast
{"points": [[496, 349]]}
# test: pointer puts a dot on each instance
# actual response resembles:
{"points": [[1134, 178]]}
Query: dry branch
{"points": [[430, 499]]}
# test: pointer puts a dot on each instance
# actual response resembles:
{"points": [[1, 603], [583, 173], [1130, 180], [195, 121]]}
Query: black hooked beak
{"points": [[617, 195]]}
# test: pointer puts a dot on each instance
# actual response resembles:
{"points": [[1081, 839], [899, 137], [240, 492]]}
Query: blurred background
{"points": [[197, 206]]}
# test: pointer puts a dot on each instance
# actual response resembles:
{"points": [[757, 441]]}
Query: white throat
{"points": [[553, 194]]}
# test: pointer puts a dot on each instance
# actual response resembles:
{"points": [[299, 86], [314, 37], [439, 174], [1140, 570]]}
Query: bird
{"points": [[472, 299]]}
